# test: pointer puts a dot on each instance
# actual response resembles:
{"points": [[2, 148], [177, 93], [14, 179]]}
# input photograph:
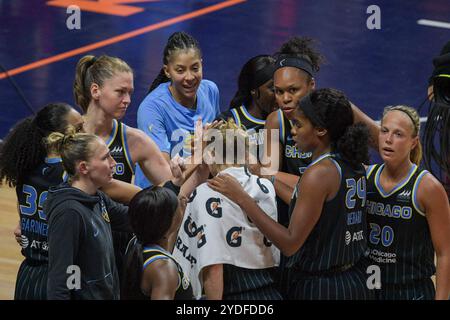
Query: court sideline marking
{"points": [[433, 23]]}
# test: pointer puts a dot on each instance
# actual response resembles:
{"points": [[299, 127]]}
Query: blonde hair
{"points": [[230, 140], [416, 153], [91, 69], [72, 147]]}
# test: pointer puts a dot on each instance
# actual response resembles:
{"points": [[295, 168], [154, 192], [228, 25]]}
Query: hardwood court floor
{"points": [[10, 257]]}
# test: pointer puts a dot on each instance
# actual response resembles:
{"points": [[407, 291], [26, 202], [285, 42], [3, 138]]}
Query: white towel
{"points": [[216, 231]]}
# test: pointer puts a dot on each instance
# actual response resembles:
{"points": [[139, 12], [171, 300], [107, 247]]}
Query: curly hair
{"points": [[24, 148]]}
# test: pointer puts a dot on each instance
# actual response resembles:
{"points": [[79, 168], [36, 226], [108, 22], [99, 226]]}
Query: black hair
{"points": [[73, 147], [439, 65], [24, 148], [247, 78], [177, 41], [436, 133], [349, 140], [151, 212], [301, 47]]}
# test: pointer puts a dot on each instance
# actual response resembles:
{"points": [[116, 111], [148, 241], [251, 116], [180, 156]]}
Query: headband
{"points": [[309, 110], [296, 62], [262, 76], [441, 67]]}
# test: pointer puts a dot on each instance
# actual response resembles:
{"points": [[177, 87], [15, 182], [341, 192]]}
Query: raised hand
{"points": [[178, 168]]}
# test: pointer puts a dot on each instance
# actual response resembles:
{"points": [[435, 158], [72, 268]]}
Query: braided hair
{"points": [[247, 80], [177, 41]]}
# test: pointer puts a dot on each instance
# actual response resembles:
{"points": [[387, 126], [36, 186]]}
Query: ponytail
{"points": [[91, 69], [82, 94], [416, 154], [132, 271]]}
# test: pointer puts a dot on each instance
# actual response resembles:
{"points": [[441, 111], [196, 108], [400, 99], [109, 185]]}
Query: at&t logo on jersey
{"points": [[348, 237], [357, 236], [24, 242]]}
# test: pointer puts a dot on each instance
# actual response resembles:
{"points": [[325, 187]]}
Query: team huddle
{"points": [[179, 208]]}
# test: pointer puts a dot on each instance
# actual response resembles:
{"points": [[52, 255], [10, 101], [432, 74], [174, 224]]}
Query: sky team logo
{"points": [[213, 207], [116, 151], [233, 237], [404, 196], [191, 229], [104, 212]]}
